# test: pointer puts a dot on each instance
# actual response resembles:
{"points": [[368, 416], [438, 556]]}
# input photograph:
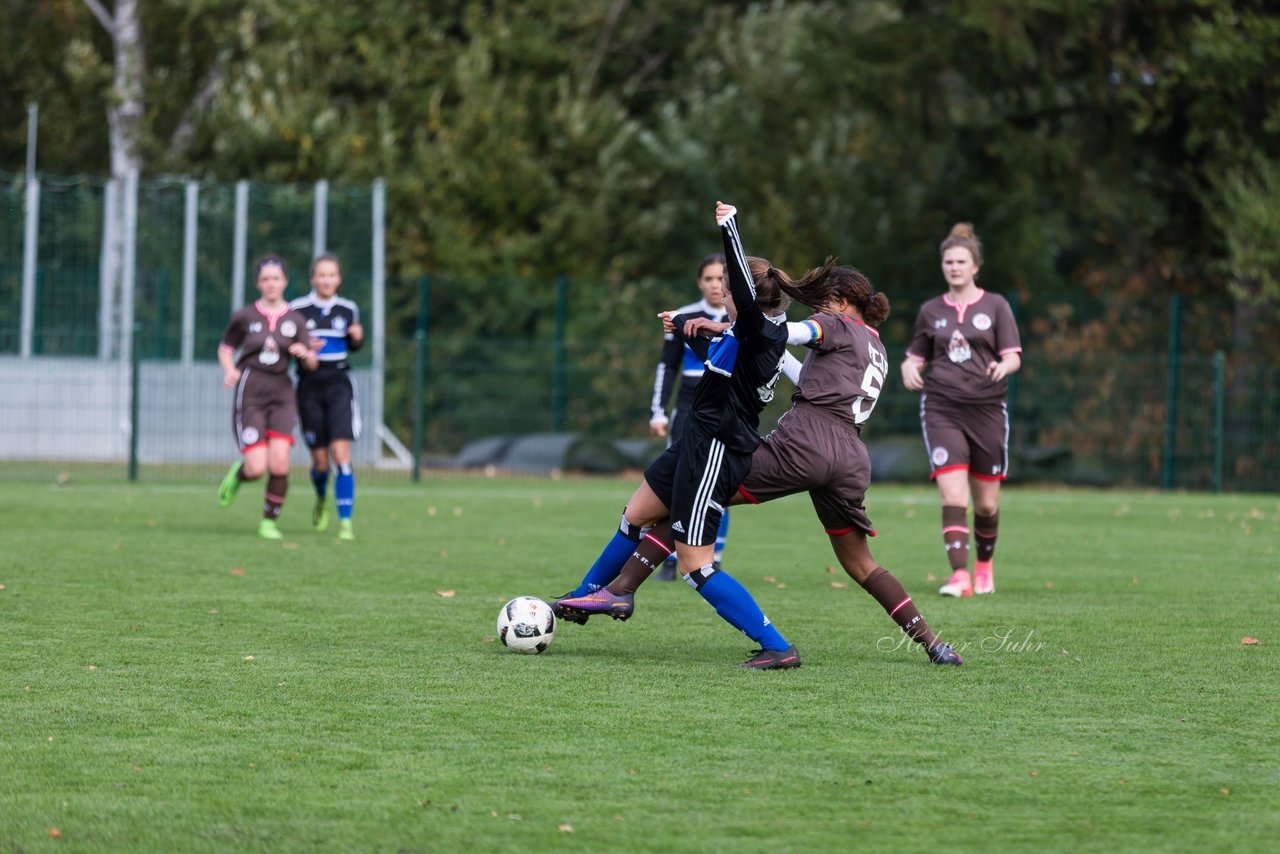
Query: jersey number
{"points": [[872, 384]]}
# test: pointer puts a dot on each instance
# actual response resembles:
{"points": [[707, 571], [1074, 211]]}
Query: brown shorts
{"points": [[970, 436], [811, 451], [264, 409]]}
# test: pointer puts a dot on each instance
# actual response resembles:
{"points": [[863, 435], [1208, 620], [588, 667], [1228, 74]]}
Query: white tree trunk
{"points": [[125, 113]]}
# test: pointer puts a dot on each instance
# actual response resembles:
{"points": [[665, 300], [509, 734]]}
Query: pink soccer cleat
{"points": [[984, 579], [958, 585]]}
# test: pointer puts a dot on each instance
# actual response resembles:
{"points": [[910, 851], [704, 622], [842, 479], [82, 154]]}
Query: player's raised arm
{"points": [[750, 319]]}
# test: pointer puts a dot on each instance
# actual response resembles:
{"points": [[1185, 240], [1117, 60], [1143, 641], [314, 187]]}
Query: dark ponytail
{"points": [[823, 285]]}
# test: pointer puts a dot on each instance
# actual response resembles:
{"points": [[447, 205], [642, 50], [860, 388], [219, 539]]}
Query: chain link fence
{"points": [[536, 376]]}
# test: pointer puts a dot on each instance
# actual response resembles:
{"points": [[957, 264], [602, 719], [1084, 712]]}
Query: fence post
{"points": [[239, 248], [420, 374], [190, 223], [1171, 390], [31, 230], [135, 406], [1219, 415], [558, 380]]}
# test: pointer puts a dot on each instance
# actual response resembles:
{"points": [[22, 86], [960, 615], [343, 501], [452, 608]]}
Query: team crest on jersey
{"points": [[255, 327], [270, 353], [958, 350], [339, 324], [249, 435], [940, 456], [982, 322], [940, 323], [288, 329]]}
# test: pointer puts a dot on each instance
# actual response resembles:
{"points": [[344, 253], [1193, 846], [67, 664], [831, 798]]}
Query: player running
{"points": [[816, 447], [970, 340], [680, 361], [266, 333], [327, 404], [685, 489]]}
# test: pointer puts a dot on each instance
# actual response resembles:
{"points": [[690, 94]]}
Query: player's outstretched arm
{"points": [[750, 319]]}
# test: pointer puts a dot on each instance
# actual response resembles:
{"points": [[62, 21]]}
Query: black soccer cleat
{"points": [[567, 613], [773, 659], [942, 653]]}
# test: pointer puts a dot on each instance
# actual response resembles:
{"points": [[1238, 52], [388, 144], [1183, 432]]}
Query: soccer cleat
{"points": [[984, 582], [230, 484], [320, 515], [268, 530], [572, 615], [603, 602], [958, 584], [942, 653], [345, 531], [773, 659]]}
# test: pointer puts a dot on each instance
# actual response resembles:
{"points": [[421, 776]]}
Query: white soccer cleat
{"points": [[984, 582], [957, 585]]}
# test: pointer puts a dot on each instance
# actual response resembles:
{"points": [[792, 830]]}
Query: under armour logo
{"points": [[940, 323]]}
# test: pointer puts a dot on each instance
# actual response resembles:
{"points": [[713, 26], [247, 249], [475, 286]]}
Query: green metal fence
{"points": [[1115, 389]]}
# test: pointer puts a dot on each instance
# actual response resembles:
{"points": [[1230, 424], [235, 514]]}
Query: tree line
{"points": [[1123, 148]]}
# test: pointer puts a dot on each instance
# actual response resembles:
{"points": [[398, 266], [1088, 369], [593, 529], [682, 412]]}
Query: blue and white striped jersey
{"points": [[328, 321]]}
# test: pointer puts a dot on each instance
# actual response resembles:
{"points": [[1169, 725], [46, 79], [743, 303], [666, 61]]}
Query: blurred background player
{"points": [[679, 361], [327, 404], [970, 342], [266, 333]]}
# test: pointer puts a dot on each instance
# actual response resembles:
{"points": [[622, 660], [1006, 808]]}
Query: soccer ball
{"points": [[526, 624]]}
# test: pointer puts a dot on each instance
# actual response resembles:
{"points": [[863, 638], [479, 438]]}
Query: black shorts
{"points": [[328, 408], [695, 478]]}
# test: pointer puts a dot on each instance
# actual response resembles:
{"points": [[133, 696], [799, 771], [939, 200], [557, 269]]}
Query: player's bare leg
{"points": [[320, 481], [953, 487], [854, 555], [986, 526]]}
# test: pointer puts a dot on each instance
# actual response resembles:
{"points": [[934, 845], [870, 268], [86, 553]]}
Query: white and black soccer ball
{"points": [[526, 624]]}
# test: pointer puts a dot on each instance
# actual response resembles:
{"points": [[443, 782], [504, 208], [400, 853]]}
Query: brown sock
{"points": [[891, 595], [652, 550], [277, 486], [985, 529], [955, 536]]}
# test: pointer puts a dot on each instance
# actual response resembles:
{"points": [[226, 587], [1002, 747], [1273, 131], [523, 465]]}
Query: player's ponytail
{"points": [[772, 285], [962, 234], [824, 285]]}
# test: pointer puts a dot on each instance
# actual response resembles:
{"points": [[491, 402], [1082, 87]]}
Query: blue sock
{"points": [[611, 560], [344, 490], [722, 534], [320, 480], [736, 606]]}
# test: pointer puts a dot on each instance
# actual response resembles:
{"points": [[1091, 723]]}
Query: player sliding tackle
{"points": [[686, 488], [816, 448]]}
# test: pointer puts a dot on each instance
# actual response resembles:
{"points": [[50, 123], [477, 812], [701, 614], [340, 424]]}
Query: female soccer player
{"points": [[817, 446], [327, 404], [266, 333], [970, 340], [679, 360], [687, 487]]}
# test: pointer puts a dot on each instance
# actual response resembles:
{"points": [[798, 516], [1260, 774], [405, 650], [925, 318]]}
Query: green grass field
{"points": [[168, 682]]}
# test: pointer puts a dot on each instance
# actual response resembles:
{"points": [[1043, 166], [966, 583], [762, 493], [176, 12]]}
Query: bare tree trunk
{"points": [[124, 122], [125, 113]]}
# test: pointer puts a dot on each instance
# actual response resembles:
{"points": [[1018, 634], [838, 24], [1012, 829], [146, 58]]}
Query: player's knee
{"points": [[252, 470]]}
